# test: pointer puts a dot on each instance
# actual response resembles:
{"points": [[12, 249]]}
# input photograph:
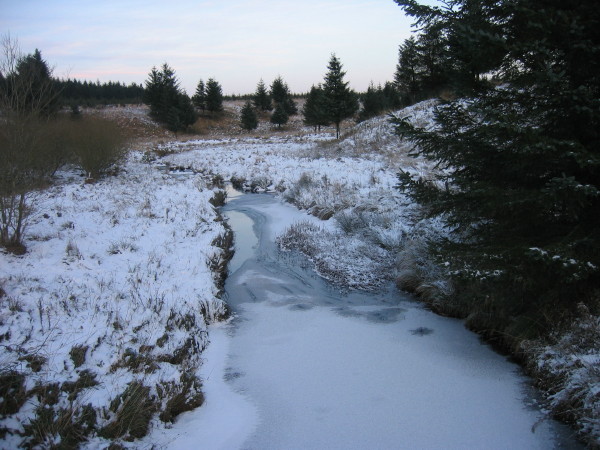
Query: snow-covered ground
{"points": [[115, 292], [118, 278]]}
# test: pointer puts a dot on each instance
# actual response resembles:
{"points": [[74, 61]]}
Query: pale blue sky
{"points": [[236, 42]]}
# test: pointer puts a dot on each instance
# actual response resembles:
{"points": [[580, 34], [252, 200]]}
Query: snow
{"points": [[332, 370], [118, 268], [225, 420], [112, 265]]}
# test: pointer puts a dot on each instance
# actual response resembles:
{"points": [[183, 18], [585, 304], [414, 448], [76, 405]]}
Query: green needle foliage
{"points": [[262, 99], [340, 101], [279, 116], [214, 96], [519, 165], [168, 103], [282, 96], [314, 110], [249, 121]]}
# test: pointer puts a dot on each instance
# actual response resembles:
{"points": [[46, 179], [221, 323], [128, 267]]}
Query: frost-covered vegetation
{"points": [[370, 232], [104, 319], [133, 260]]}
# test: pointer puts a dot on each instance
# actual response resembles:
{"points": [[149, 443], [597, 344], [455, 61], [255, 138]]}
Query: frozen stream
{"points": [[304, 367]]}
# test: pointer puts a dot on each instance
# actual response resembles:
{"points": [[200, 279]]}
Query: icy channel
{"points": [[303, 366]]}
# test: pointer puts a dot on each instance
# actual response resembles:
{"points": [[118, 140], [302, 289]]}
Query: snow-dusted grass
{"points": [[567, 366], [110, 305], [106, 314]]}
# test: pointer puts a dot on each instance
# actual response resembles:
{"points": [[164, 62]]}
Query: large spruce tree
{"points": [[262, 99], [41, 96], [168, 103], [248, 119], [340, 101], [519, 165], [409, 71], [199, 97], [279, 116], [281, 95], [214, 96], [314, 110]]}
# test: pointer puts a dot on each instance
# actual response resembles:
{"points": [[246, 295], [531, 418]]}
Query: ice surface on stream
{"points": [[302, 366]]}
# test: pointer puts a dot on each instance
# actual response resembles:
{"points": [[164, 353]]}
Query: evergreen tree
{"points": [[214, 96], [279, 90], [168, 103], [291, 109], [281, 96], [373, 102], [199, 98], [409, 71], [391, 96], [279, 116], [314, 110], [249, 121], [152, 93], [41, 96], [186, 113], [340, 101], [261, 99], [520, 166], [459, 44]]}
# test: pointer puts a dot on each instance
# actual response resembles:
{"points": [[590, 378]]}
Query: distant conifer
{"points": [[340, 101], [249, 121], [262, 99], [214, 96], [279, 116]]}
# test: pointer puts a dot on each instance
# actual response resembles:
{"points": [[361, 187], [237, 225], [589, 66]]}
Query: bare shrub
{"points": [[26, 101], [98, 145]]}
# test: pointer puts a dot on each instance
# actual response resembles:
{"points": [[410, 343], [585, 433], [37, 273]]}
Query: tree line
{"points": [[327, 103], [85, 93]]}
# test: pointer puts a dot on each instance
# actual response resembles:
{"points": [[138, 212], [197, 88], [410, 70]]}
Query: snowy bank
{"points": [[103, 320]]}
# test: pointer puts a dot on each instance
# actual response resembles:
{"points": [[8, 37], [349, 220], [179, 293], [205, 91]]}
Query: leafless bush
{"points": [[98, 145], [25, 96]]}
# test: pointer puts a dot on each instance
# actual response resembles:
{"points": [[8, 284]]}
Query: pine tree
{"points": [[519, 182], [279, 90], [279, 116], [248, 120], [409, 71], [373, 102], [41, 97], [199, 98], [340, 101], [168, 103], [214, 96], [281, 96], [314, 110], [261, 99]]}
